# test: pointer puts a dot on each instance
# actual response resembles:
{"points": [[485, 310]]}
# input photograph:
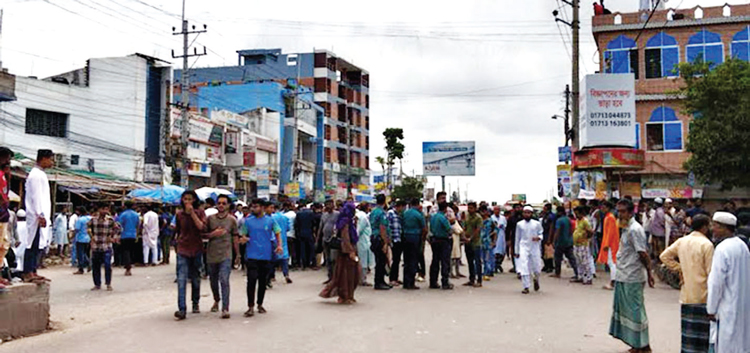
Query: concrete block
{"points": [[24, 310]]}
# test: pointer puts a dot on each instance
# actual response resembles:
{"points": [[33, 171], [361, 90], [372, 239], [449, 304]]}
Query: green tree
{"points": [[394, 149], [719, 99], [410, 188]]}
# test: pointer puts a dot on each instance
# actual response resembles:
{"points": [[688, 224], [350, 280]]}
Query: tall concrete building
{"points": [[652, 52], [339, 88]]}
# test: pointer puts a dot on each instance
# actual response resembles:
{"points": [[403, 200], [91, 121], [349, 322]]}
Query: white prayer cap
{"points": [[725, 218], [21, 214], [528, 208], [668, 200], [659, 200]]}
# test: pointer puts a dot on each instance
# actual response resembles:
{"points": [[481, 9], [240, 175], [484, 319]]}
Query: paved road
{"points": [[137, 317]]}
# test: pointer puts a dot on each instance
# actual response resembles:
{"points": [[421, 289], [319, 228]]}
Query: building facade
{"points": [[107, 117], [652, 52], [298, 86]]}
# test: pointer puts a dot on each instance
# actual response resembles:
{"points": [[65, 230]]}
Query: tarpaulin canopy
{"points": [[168, 194], [207, 192]]}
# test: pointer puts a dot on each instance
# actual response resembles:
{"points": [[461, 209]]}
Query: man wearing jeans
{"points": [[563, 243], [222, 233], [473, 226], [104, 230], [189, 226], [262, 236], [130, 222], [83, 240]]}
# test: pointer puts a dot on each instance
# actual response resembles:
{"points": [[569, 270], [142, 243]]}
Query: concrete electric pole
{"points": [[185, 90], [575, 26]]}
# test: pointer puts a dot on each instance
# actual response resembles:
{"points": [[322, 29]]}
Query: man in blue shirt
{"points": [[83, 240], [283, 259], [441, 244], [262, 235], [129, 221], [415, 230]]}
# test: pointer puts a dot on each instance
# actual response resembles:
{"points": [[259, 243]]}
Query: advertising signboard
{"points": [[564, 175], [449, 158], [607, 111], [615, 158]]}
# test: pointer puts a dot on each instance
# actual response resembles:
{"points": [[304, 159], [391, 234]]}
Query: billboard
{"points": [[607, 111], [449, 158]]}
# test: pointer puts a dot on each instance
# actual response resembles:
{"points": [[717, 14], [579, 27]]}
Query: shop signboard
{"points": [[607, 111], [564, 154], [519, 198], [665, 187], [609, 158], [564, 177], [202, 170], [292, 190], [449, 158]]}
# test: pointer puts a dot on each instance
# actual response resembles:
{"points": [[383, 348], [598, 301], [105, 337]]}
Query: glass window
{"points": [[741, 45], [662, 56], [46, 123], [664, 131], [621, 56], [705, 46]]}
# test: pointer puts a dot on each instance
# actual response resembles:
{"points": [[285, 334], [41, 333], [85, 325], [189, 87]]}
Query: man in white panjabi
{"points": [[528, 253], [150, 236], [728, 304], [38, 210]]}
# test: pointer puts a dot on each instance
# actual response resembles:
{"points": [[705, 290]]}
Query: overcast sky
{"points": [[492, 71]]}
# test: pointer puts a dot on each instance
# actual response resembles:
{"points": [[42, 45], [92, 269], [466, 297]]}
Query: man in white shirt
{"points": [[38, 210], [72, 235], [728, 304], [528, 253], [150, 236], [500, 222]]}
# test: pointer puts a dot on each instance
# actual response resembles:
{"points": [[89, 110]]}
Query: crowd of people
{"points": [[211, 237]]}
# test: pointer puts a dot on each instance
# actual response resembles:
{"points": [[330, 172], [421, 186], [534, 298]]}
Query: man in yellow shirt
{"points": [[692, 256]]}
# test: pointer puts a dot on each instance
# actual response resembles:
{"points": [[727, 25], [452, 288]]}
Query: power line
{"points": [[647, 20]]}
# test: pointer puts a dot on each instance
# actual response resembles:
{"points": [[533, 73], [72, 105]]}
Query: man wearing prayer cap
{"points": [[728, 304], [529, 234]]}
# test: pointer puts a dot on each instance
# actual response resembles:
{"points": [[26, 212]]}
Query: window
{"points": [[705, 46], [662, 56], [741, 45], [328, 155], [664, 131], [621, 57], [327, 132], [341, 153], [42, 122]]}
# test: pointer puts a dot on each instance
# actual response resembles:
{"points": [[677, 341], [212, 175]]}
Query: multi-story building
{"points": [[263, 78], [107, 117], [651, 51]]}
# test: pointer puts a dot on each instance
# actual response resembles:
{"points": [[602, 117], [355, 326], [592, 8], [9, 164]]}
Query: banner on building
{"points": [[247, 174], [266, 145], [607, 111], [232, 141], [564, 154], [264, 183], [564, 177], [152, 173], [202, 170], [248, 157], [521, 198], [449, 158], [584, 184], [610, 158], [668, 187], [292, 190], [204, 153]]}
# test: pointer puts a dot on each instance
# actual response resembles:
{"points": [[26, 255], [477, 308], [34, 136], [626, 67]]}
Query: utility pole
{"points": [[568, 134], [576, 26], [185, 90]]}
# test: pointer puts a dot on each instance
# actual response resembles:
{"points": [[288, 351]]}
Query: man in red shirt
{"points": [[188, 236]]}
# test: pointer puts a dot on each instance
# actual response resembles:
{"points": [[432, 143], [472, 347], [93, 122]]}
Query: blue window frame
{"points": [[621, 56], [741, 44], [706, 46], [662, 56], [637, 136], [664, 130]]}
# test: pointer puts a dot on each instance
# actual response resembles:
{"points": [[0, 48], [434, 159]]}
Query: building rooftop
{"points": [[669, 18]]}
